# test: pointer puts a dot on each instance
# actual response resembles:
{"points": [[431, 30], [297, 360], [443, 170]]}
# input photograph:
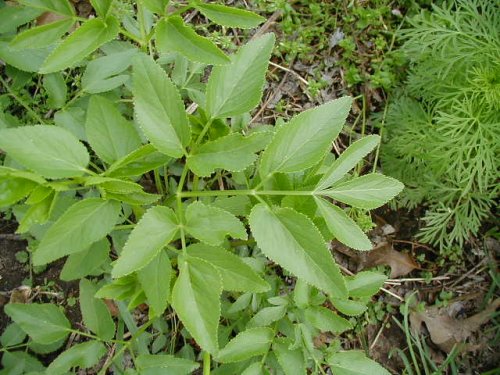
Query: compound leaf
{"points": [[211, 224], [195, 298], [173, 35], [155, 230], [230, 16], [306, 139], [159, 108], [236, 274], [291, 240], [247, 344], [236, 88], [44, 323], [48, 150], [84, 223]]}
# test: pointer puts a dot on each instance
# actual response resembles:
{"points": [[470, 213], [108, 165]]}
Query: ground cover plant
{"points": [[443, 129], [189, 215]]}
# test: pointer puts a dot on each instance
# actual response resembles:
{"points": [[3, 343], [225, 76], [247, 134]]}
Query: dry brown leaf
{"points": [[48, 17], [401, 263], [20, 294], [446, 331]]}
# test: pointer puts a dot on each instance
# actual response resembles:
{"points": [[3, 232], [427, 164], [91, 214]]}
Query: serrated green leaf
{"points": [[95, 313], [138, 162], [12, 335], [38, 213], [14, 363], [42, 36], [348, 160], [110, 135], [103, 73], [247, 344], [238, 205], [82, 42], [149, 364], [155, 230], [291, 360], [137, 198], [354, 362], [233, 152], [27, 60], [211, 225], [236, 88], [14, 189], [306, 139], [85, 262], [172, 35], [159, 108], [195, 298], [114, 185], [73, 120], [349, 307], [119, 289], [236, 275], [266, 316], [44, 323], [84, 355], [156, 6], [62, 7], [56, 89], [13, 16], [291, 240], [365, 284], [84, 223], [48, 150], [155, 281], [342, 226], [230, 16], [101, 7], [326, 320], [367, 192]]}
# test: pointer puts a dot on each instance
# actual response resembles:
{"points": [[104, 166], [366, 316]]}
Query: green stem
{"points": [[179, 206], [131, 36], [253, 192], [11, 92], [206, 363], [203, 132]]}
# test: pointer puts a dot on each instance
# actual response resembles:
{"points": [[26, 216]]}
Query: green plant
{"points": [[230, 214], [442, 133]]}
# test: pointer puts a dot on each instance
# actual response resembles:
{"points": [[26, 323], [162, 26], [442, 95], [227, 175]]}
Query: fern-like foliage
{"points": [[443, 132]]}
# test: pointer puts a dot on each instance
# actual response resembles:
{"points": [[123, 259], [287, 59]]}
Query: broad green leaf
{"points": [[110, 135], [84, 223], [266, 316], [95, 313], [155, 281], [13, 16], [255, 369], [291, 360], [156, 6], [114, 185], [56, 89], [236, 274], [306, 139], [172, 35], [138, 198], [154, 231], [230, 16], [326, 320], [195, 299], [84, 355], [239, 205], [82, 42], [211, 224], [101, 7], [301, 294], [85, 262], [159, 108], [354, 362], [291, 240], [349, 307], [236, 88], [348, 160], [62, 7], [73, 120], [14, 363], [38, 213], [119, 289], [149, 364], [14, 189], [103, 73], [233, 152], [27, 60], [138, 162], [42, 36], [44, 323], [367, 192], [365, 284], [247, 344], [48, 150], [342, 226], [12, 335]]}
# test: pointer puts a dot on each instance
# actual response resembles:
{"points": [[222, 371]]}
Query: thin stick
{"points": [[380, 331], [303, 80]]}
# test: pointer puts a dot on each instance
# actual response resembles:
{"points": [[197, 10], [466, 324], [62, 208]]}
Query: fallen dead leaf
{"points": [[20, 294], [446, 331]]}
